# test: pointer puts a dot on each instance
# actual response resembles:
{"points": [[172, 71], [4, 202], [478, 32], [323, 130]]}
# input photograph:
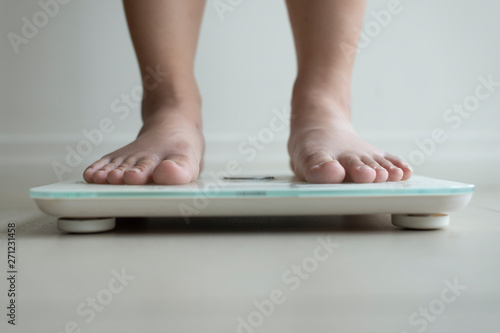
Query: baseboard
{"points": [[26, 163]]}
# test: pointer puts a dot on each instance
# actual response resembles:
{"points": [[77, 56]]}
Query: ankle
{"points": [[186, 100], [320, 104], [322, 93]]}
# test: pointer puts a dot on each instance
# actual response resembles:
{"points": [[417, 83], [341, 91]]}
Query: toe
{"points": [[321, 167], [394, 173], [140, 173], [356, 170], [115, 176], [381, 173], [400, 163], [88, 174], [176, 169], [101, 175]]}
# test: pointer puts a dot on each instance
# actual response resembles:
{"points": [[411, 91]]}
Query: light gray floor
{"points": [[203, 276]]}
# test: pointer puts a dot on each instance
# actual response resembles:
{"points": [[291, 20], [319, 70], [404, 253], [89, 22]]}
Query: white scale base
{"points": [[419, 203]]}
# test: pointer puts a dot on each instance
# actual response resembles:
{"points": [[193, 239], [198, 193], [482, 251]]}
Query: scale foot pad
{"points": [[421, 221], [85, 225]]}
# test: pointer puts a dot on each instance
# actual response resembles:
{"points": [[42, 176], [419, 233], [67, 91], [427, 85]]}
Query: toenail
{"points": [[135, 170], [364, 167], [318, 165], [88, 170]]}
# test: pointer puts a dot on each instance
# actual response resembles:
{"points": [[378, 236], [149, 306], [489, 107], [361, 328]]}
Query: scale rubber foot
{"points": [[85, 226], [421, 221]]}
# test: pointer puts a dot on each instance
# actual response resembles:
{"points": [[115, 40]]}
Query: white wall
{"points": [[426, 59]]}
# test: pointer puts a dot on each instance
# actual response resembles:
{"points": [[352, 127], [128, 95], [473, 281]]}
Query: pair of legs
{"points": [[323, 146]]}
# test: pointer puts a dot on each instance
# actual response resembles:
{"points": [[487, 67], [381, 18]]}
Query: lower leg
{"points": [[323, 146], [169, 147]]}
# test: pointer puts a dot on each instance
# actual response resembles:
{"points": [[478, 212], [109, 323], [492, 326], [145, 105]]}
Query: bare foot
{"points": [[324, 148], [167, 151]]}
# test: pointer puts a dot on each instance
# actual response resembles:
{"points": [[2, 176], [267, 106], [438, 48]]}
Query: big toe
{"points": [[320, 167], [176, 170]]}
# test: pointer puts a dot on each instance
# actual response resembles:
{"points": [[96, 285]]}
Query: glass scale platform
{"points": [[418, 203]]}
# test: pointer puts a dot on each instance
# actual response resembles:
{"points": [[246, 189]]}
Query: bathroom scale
{"points": [[417, 203]]}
